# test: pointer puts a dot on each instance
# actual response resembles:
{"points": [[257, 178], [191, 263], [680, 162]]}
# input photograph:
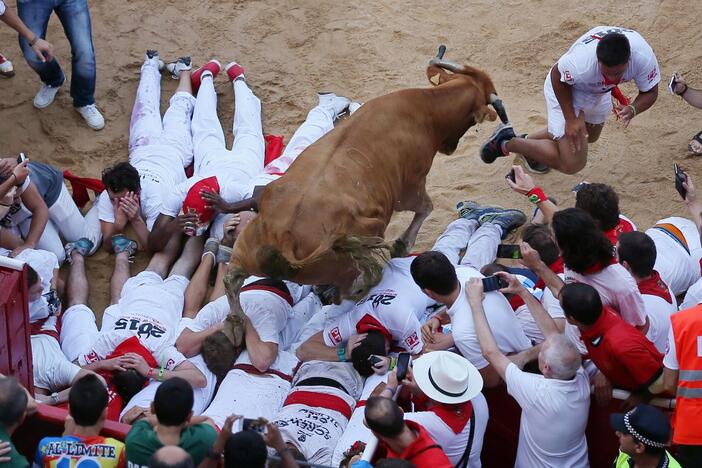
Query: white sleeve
{"points": [[173, 199], [522, 385], [568, 68], [670, 360], [631, 305], [269, 322], [340, 331], [106, 211], [233, 192], [211, 314], [552, 305], [648, 74], [411, 336], [170, 358], [102, 347], [2, 8]]}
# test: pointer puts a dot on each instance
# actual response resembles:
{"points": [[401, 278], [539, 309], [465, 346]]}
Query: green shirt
{"points": [[142, 442], [16, 460], [625, 461]]}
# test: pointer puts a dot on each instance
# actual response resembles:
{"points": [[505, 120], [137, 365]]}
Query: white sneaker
{"points": [[92, 116], [45, 96], [354, 106], [182, 64], [6, 68], [337, 104]]}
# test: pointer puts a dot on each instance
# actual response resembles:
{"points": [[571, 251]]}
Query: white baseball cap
{"points": [[447, 377]]}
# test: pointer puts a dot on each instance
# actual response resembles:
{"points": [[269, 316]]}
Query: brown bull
{"points": [[324, 221]]}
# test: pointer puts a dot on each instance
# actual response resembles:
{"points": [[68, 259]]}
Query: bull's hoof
{"points": [[399, 249], [233, 328]]}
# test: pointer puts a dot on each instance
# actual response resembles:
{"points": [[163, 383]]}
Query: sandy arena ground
{"points": [[363, 49]]}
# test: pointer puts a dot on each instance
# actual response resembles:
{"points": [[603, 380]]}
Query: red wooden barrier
{"points": [[15, 346]]}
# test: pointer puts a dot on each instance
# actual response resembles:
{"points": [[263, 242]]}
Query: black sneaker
{"points": [[533, 166], [492, 149], [508, 220]]}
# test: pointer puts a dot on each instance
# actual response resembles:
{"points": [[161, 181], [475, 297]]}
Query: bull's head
{"points": [[438, 74]]}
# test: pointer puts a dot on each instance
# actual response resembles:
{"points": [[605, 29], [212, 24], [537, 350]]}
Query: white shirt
{"points": [[659, 311], [617, 289], [670, 359], [2, 8], [230, 190], [693, 295], [508, 334], [51, 369], [149, 315], [580, 68], [553, 421], [396, 303], [526, 319], [44, 263], [451, 443], [678, 268]]}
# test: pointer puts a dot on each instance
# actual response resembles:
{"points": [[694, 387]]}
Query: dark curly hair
{"points": [[601, 202], [121, 176], [582, 244]]}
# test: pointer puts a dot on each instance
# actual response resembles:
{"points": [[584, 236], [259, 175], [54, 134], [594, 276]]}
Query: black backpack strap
{"points": [[463, 462]]}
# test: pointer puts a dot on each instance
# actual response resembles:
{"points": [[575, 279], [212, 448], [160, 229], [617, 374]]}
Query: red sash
{"points": [[655, 286], [277, 287], [320, 400]]}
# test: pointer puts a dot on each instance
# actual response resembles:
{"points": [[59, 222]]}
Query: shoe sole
{"points": [[526, 165], [9, 74]]}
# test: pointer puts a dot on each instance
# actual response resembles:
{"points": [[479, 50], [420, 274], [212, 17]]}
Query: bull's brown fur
{"points": [[325, 220]]}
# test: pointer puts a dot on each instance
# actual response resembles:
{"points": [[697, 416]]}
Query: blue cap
{"points": [[647, 424]]}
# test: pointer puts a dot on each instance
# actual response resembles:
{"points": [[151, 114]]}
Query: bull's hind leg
{"points": [[403, 244], [234, 325]]}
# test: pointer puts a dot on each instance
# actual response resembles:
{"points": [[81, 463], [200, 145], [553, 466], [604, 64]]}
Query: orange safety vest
{"points": [[687, 332]]}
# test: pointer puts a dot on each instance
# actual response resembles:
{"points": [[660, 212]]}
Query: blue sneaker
{"points": [[121, 243], [82, 246], [506, 219], [492, 149], [471, 210]]}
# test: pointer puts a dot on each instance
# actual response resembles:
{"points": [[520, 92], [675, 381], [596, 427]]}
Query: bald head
{"points": [[171, 457], [384, 417], [561, 356]]}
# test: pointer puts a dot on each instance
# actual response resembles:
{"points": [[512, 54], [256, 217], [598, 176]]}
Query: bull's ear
{"points": [[484, 113], [438, 75]]}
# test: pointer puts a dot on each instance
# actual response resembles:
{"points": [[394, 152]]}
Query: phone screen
{"points": [[403, 360], [508, 251]]}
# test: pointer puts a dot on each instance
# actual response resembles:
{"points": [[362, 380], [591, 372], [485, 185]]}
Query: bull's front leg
{"points": [[403, 244]]}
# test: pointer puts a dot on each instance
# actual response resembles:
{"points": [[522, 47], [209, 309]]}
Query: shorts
{"points": [[51, 369], [78, 331], [596, 109]]}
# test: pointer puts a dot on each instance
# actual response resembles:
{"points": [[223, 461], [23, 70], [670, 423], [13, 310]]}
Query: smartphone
{"points": [[373, 359], [21, 158], [577, 188], [510, 176], [508, 251], [672, 83], [680, 177], [493, 283], [253, 425], [403, 360]]}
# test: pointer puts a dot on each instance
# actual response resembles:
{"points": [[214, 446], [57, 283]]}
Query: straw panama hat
{"points": [[447, 377]]}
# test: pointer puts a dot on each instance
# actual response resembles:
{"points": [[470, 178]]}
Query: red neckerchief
{"points": [[556, 267], [607, 318], [455, 416], [368, 323], [621, 227], [597, 267], [130, 345], [655, 286]]}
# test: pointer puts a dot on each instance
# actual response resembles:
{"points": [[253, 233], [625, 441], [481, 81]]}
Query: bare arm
{"points": [[142, 233], [316, 349], [523, 184], [645, 99], [541, 317], [190, 343], [163, 229], [532, 260], [488, 345], [185, 370], [670, 380], [40, 215], [43, 49], [262, 353]]}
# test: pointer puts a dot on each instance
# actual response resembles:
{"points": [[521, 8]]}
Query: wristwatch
{"points": [[54, 398]]}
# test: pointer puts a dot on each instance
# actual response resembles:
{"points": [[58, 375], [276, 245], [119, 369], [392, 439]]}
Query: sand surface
{"points": [[363, 49]]}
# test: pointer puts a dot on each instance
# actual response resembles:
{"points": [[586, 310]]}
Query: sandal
{"points": [[697, 138]]}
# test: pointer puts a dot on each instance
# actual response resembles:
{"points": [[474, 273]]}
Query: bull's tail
{"points": [[369, 254]]}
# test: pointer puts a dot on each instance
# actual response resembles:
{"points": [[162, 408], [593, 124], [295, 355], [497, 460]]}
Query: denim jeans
{"points": [[75, 18]]}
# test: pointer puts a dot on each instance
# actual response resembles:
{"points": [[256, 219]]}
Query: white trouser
{"points": [[146, 128], [245, 160], [480, 242], [78, 331], [65, 218]]}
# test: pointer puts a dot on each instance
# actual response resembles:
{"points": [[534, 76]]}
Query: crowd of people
{"points": [[583, 303]]}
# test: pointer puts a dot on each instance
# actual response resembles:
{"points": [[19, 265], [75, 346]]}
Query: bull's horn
{"points": [[499, 107], [445, 64]]}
